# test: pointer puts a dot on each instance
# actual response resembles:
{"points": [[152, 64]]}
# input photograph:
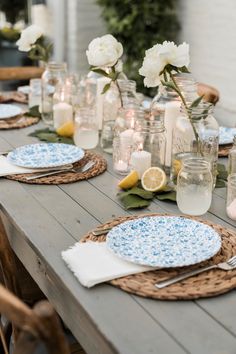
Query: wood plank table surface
{"points": [[41, 221]]}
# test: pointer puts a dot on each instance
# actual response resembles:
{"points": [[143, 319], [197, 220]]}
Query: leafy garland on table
{"points": [[136, 197]]}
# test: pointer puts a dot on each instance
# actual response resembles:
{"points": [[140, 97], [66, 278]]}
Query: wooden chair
{"points": [[40, 324], [20, 73]]}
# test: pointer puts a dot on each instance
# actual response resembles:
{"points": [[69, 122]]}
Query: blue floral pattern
{"points": [[45, 155], [226, 135], [164, 241]]}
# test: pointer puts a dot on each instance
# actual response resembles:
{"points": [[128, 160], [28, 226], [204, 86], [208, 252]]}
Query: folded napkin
{"points": [[93, 263], [6, 168]]}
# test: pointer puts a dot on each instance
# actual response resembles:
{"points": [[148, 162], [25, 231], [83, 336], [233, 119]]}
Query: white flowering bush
{"points": [[32, 40]]}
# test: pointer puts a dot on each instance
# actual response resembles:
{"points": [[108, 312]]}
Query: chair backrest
{"points": [[38, 324], [20, 73]]}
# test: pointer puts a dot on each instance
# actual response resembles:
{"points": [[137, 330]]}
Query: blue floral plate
{"points": [[164, 241], [226, 135], [45, 155]]}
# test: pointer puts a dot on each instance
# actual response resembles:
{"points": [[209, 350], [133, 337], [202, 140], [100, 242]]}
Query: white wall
{"points": [[209, 26]]}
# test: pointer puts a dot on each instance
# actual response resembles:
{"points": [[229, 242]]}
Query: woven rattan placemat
{"points": [[224, 150], [69, 177], [18, 122], [207, 284]]}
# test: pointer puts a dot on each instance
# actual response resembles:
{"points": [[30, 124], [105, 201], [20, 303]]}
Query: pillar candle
{"points": [[62, 113], [140, 161], [172, 110], [101, 82]]}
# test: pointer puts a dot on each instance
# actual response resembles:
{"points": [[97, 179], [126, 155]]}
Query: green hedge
{"points": [[138, 25]]}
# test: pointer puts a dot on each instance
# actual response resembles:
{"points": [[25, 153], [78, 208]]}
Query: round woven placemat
{"points": [[69, 177], [207, 284], [224, 150], [18, 122]]}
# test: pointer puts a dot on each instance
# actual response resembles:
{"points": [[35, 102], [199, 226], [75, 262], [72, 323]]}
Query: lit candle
{"points": [[140, 161], [62, 113], [121, 166], [171, 113]]}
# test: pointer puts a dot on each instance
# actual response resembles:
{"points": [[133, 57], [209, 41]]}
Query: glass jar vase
{"points": [[231, 197], [194, 186], [54, 74], [150, 142], [196, 133]]}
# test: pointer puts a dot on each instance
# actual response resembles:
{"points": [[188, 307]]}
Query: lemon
{"points": [[129, 181], [66, 129], [153, 179], [177, 166]]}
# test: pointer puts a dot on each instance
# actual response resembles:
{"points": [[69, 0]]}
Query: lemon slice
{"points": [[153, 179], [66, 129], [177, 166], [129, 181]]}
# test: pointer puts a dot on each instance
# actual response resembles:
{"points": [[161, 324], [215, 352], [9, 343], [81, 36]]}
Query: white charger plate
{"points": [[9, 110], [164, 241], [45, 155]]}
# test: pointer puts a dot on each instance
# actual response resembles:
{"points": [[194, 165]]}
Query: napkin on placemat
{"points": [[93, 263], [6, 168]]}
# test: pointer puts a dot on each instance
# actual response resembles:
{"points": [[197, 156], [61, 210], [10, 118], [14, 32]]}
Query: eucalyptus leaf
{"points": [[167, 196], [52, 138], [134, 202], [37, 131]]}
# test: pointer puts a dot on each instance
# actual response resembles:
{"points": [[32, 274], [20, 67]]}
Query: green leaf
{"points": [[34, 112], [65, 140], [37, 131], [220, 183], [167, 196], [134, 202], [184, 69], [99, 71], [222, 173], [196, 102], [137, 191], [106, 88], [220, 167], [52, 138]]}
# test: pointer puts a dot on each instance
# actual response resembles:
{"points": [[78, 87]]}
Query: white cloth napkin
{"points": [[6, 168], [93, 263]]}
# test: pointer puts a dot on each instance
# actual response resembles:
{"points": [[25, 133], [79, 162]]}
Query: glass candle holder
{"points": [[194, 186], [231, 197], [122, 148], [35, 93], [86, 128]]}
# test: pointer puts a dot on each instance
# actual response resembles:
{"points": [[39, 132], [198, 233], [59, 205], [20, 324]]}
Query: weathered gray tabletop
{"points": [[44, 220]]}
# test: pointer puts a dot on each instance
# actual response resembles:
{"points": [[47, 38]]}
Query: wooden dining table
{"points": [[43, 220]]}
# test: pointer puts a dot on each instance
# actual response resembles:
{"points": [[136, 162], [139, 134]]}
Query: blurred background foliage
{"points": [[14, 10], [138, 25]]}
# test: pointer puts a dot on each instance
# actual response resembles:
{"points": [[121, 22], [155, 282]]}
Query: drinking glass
{"points": [[35, 94], [86, 128], [194, 186]]}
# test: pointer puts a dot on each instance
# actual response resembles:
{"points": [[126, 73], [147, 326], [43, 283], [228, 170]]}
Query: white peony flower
{"points": [[104, 51], [160, 55], [28, 37]]}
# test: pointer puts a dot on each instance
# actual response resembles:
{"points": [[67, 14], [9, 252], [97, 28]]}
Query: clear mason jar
{"points": [[54, 74], [86, 134], [231, 197], [121, 95], [122, 148], [196, 133], [194, 186], [148, 140], [35, 93], [232, 158]]}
